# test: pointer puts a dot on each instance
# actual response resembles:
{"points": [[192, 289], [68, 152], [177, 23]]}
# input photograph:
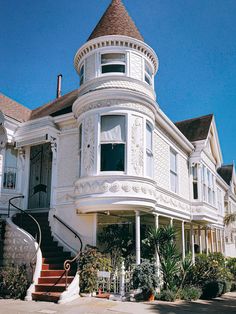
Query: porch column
{"points": [[216, 237], [156, 216], [221, 242], [137, 236], [206, 239], [212, 242], [183, 240], [192, 240], [171, 222], [224, 250], [200, 239]]}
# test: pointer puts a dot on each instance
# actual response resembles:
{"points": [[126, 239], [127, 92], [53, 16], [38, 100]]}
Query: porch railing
{"points": [[38, 236]]}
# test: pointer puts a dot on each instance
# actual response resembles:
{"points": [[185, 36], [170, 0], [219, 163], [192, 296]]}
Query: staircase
{"points": [[50, 286]]}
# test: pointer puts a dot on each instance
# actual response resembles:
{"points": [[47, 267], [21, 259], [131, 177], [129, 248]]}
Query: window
{"points": [[113, 140], [80, 149], [173, 172], [113, 63], [81, 74], [149, 154], [220, 201], [208, 186], [195, 182], [10, 169], [148, 73]]}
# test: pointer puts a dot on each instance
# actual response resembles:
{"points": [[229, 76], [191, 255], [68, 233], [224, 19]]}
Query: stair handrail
{"points": [[68, 262], [36, 222]]}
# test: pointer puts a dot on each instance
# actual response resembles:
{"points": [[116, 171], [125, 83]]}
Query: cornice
{"points": [[116, 41]]}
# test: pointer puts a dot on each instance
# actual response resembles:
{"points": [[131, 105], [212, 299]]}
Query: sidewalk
{"points": [[225, 304]]}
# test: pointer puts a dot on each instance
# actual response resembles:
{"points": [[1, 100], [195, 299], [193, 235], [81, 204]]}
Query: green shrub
{"points": [[167, 295], [231, 265], [233, 286], [13, 282], [90, 262], [145, 277], [227, 286], [190, 293], [212, 289]]}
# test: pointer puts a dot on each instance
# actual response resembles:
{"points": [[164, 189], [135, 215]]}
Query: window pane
{"points": [[120, 68], [195, 191], [112, 57], [113, 128], [10, 169], [112, 157], [148, 69], [173, 166], [173, 182]]}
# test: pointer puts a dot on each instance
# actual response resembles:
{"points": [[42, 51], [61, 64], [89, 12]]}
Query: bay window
{"points": [[113, 63], [10, 169], [173, 171], [113, 143], [149, 153]]}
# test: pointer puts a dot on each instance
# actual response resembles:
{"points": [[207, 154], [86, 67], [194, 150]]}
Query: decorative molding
{"points": [[88, 146], [115, 103], [137, 146]]}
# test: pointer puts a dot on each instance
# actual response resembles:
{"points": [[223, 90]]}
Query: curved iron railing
{"points": [[32, 263], [68, 262]]}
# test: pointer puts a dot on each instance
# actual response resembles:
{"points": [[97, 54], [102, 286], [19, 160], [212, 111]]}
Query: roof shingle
{"points": [[226, 172], [195, 129], [116, 21], [13, 109]]}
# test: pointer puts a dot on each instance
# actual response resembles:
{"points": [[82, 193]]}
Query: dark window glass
{"points": [[195, 192], [112, 157], [113, 68], [147, 80]]}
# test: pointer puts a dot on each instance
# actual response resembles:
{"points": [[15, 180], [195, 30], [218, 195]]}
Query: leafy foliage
{"points": [[167, 295], [145, 277], [212, 289], [164, 241], [14, 282], [90, 262], [231, 266], [190, 293]]}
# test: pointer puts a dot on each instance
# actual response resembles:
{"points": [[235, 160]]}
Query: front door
{"points": [[40, 176]]}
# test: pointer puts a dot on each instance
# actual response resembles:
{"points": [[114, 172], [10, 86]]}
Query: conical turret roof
{"points": [[116, 21]]}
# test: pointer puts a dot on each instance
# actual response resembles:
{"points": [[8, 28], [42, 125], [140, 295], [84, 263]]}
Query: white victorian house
{"points": [[106, 153]]}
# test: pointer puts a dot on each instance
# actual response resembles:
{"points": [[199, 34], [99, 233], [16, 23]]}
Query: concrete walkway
{"points": [[225, 304]]}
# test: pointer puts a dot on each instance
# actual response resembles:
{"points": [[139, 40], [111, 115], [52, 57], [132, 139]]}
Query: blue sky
{"points": [[195, 41]]}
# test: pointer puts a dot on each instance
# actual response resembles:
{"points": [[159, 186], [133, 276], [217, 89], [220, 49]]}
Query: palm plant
{"points": [[164, 241]]}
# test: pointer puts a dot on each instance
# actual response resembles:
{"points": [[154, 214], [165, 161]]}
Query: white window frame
{"points": [[82, 77], [115, 62], [147, 74], [115, 142], [175, 173]]}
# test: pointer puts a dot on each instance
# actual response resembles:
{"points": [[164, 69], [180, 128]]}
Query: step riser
{"points": [[54, 273], [49, 288], [50, 280], [45, 298]]}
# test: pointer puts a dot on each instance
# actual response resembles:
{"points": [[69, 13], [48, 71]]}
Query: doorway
{"points": [[40, 176]]}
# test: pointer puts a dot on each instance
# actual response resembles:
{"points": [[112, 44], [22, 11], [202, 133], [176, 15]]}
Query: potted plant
{"points": [[145, 278]]}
